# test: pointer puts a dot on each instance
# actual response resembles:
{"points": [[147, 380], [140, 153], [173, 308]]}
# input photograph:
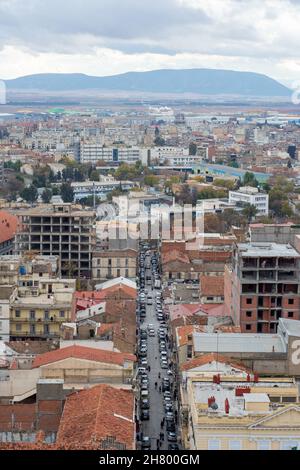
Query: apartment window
{"points": [[18, 314], [214, 444], [1, 325], [62, 314], [235, 445], [46, 314], [32, 329], [99, 261], [210, 299], [18, 327], [118, 272], [248, 314], [291, 302], [248, 327], [0, 309], [126, 262], [32, 314], [127, 273], [248, 301], [109, 262], [98, 273], [264, 445], [46, 329], [290, 314]]}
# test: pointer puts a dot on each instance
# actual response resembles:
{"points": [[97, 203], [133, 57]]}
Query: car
{"points": [[150, 302], [150, 327], [170, 416], [144, 334], [144, 394], [145, 415], [171, 426], [144, 362], [145, 405], [170, 372], [164, 365], [168, 407], [152, 333], [167, 393], [141, 370], [167, 400], [145, 386], [173, 447], [146, 443], [172, 437], [143, 353]]}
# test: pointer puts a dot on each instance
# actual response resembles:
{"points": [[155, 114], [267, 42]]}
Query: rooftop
{"points": [[267, 249], [238, 342]]}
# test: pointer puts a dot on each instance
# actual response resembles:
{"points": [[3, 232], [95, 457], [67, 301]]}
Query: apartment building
{"points": [[264, 283], [7, 295], [100, 188], [114, 264], [40, 307], [62, 230], [249, 195], [93, 152], [236, 411], [13, 267]]}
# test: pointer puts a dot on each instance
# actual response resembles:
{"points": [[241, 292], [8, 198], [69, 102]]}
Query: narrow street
{"points": [[162, 417]]}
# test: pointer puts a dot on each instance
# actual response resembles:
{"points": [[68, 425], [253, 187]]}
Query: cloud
{"points": [[87, 35]]}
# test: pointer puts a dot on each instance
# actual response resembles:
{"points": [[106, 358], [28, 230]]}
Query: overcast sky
{"points": [[104, 37]]}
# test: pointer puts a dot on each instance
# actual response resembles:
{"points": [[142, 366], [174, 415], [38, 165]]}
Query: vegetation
{"points": [[67, 192]]}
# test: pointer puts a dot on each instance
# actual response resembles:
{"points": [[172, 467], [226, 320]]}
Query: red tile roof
{"points": [[212, 357], [81, 352], [8, 226], [212, 286], [183, 332], [96, 415]]}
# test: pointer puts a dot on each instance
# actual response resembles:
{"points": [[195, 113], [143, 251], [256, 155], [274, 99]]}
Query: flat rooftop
{"points": [[238, 343], [267, 249]]}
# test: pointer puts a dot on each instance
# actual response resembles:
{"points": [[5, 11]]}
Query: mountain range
{"points": [[194, 81]]}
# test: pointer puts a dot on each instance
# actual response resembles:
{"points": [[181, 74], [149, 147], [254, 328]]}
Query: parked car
{"points": [[146, 443], [145, 415], [172, 437]]}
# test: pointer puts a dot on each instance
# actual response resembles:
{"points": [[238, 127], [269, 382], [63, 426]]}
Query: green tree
{"points": [[151, 180], [67, 192], [94, 176], [46, 196], [249, 212], [29, 194], [250, 180]]}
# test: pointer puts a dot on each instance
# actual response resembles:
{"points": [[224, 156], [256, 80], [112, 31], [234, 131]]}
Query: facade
{"points": [[239, 412], [114, 264], [249, 195], [264, 286], [40, 307], [63, 230], [99, 188], [7, 295], [91, 152]]}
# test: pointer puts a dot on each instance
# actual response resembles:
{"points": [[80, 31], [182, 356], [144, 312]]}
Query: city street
{"points": [[153, 427]]}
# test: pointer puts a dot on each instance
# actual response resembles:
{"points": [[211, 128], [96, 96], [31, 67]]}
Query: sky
{"points": [[106, 37]]}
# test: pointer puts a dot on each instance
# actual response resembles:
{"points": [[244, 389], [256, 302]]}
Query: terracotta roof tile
{"points": [[101, 413], [212, 286], [212, 357], [183, 332], [8, 226], [81, 352]]}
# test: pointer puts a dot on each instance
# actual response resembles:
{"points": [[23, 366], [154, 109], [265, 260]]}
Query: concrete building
{"points": [[7, 296], [99, 188], [275, 354], [14, 267], [63, 230], [40, 307], [264, 281], [232, 410], [92, 152], [249, 195], [114, 264]]}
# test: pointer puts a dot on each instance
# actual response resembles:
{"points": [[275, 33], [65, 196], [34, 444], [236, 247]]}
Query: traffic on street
{"points": [[157, 410]]}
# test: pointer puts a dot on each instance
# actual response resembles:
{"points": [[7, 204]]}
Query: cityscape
{"points": [[149, 234]]}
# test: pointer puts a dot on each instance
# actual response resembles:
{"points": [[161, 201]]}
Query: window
{"points": [[0, 325], [118, 273], [248, 327], [235, 445], [0, 308], [290, 314], [248, 301], [210, 299], [249, 314], [18, 314], [46, 329], [32, 314], [291, 302], [62, 314], [289, 445], [46, 314], [127, 273], [263, 445], [214, 444], [18, 327]]}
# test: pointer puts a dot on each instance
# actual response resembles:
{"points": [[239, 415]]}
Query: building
{"points": [[7, 296], [92, 152], [8, 229], [264, 286], [14, 267], [40, 307], [211, 289], [275, 354], [249, 195], [63, 230], [114, 264], [99, 188], [230, 410]]}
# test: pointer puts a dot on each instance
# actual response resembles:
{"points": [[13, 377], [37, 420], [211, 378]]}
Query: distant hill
{"points": [[196, 81]]}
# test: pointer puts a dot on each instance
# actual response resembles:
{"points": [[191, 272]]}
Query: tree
{"points": [[193, 149], [249, 212], [67, 192], [94, 176], [151, 180], [46, 196], [250, 180], [29, 194]]}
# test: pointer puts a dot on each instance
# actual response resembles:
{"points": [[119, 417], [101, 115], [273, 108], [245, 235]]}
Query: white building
{"points": [[249, 195], [100, 188], [92, 152], [7, 294]]}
